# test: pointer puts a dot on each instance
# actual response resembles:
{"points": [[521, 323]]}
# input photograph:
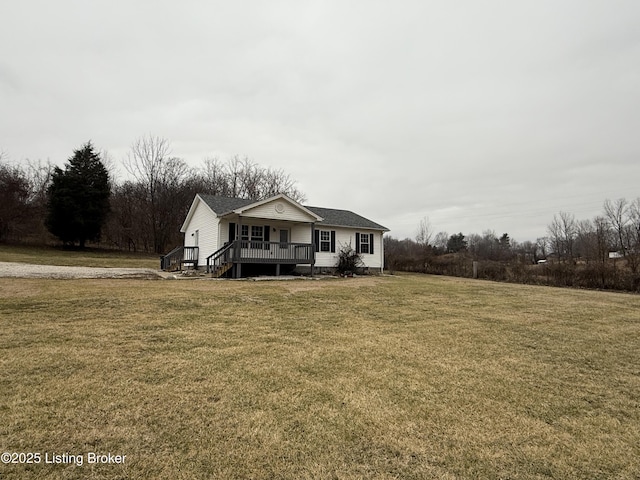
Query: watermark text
{"points": [[66, 458]]}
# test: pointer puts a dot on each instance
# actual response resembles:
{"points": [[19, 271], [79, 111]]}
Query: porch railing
{"points": [[176, 258], [240, 251], [251, 251]]}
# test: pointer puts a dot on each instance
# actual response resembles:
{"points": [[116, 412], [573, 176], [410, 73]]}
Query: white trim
{"points": [[192, 209], [366, 242], [331, 225], [280, 196], [327, 241]]}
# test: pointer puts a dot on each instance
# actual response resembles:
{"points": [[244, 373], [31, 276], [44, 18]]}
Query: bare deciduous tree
{"points": [[440, 241], [542, 244], [14, 199], [277, 181], [616, 213], [562, 234], [213, 177], [23, 202], [39, 174], [593, 239], [425, 232], [146, 161], [243, 178], [633, 235], [165, 186], [529, 251], [162, 179]]}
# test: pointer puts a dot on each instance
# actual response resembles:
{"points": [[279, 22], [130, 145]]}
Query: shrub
{"points": [[348, 260]]}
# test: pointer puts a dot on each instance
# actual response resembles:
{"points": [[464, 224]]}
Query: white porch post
{"points": [[313, 247], [239, 247], [382, 252]]}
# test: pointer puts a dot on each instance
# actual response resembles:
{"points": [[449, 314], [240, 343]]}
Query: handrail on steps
{"points": [[169, 259], [214, 260], [178, 256]]}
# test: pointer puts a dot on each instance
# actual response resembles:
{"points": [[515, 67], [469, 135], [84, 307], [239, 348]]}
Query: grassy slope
{"points": [[83, 258], [403, 377]]}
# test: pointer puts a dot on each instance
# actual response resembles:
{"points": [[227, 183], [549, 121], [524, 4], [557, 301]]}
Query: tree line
{"points": [[84, 202], [603, 252], [142, 213]]}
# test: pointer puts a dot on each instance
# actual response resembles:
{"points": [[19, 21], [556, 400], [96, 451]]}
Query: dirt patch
{"points": [[27, 270], [291, 284]]}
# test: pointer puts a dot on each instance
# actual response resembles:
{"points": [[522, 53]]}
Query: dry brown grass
{"points": [[77, 258], [394, 377]]}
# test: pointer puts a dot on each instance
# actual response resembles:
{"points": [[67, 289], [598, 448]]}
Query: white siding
{"points": [[346, 236], [205, 221], [301, 233], [298, 233], [268, 210], [223, 233], [213, 232]]}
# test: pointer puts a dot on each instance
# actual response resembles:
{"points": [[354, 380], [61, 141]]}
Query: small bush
{"points": [[348, 260]]}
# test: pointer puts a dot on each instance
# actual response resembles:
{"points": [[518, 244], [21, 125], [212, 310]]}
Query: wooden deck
{"points": [[241, 252], [271, 252]]}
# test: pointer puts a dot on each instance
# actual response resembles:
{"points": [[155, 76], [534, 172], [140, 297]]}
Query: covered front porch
{"points": [[226, 235], [274, 234], [233, 255]]}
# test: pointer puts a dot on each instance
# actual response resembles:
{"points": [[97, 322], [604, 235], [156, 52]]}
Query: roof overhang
{"points": [[280, 197], [354, 227]]}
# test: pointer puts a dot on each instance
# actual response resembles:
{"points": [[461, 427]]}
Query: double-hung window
{"points": [[364, 244], [257, 236], [325, 241]]}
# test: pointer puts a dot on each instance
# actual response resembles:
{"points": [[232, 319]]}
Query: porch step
{"points": [[191, 263], [221, 270], [179, 257]]}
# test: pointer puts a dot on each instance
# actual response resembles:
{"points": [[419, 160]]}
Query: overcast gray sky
{"points": [[478, 114]]}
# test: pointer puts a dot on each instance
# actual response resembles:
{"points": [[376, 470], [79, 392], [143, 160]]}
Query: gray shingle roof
{"points": [[344, 218], [331, 216], [222, 205]]}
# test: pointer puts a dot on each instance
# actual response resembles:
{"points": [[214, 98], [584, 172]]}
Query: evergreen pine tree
{"points": [[79, 198]]}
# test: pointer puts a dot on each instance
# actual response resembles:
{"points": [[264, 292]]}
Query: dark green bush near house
{"points": [[349, 261]]}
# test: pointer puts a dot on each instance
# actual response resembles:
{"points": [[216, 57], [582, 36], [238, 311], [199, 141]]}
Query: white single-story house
{"points": [[235, 236]]}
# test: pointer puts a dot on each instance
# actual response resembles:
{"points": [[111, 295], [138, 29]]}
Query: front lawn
{"points": [[406, 377]]}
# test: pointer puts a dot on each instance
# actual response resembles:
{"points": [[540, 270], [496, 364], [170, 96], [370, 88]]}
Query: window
{"points": [[325, 241], [364, 243], [257, 236], [244, 235], [257, 232]]}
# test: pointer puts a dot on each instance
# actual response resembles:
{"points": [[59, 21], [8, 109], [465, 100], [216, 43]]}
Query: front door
{"points": [[284, 238]]}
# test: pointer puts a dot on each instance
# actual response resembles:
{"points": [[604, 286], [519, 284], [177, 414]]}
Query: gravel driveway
{"points": [[27, 270]]}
